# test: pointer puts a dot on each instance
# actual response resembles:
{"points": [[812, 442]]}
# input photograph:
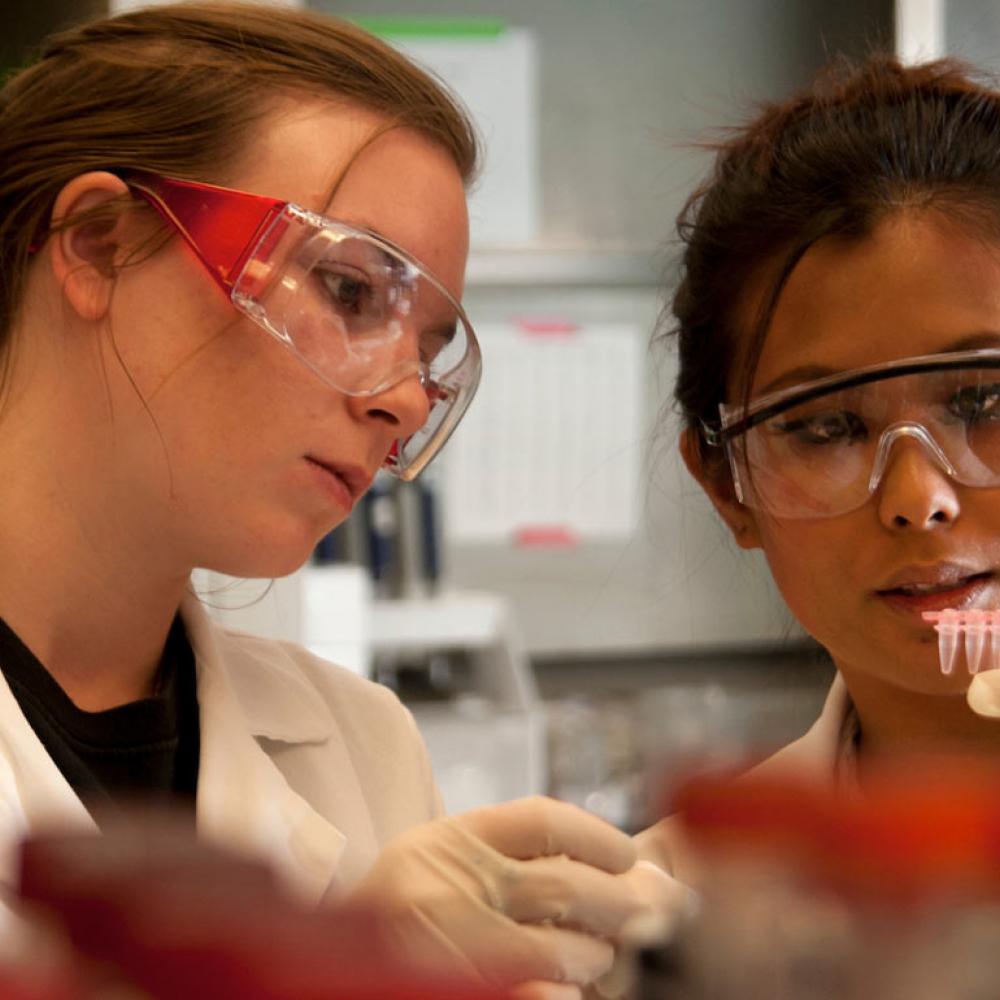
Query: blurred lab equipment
{"points": [[812, 893], [459, 664], [621, 732], [594, 757], [395, 534], [688, 728]]}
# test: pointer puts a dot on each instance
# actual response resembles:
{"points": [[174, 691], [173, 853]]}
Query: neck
{"points": [[89, 578], [97, 621], [896, 722]]}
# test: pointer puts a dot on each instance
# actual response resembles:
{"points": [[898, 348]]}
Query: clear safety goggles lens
{"points": [[363, 316], [822, 448]]}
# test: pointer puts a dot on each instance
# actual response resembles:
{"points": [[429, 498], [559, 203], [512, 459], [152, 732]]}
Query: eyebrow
{"points": [[356, 223], [809, 373]]}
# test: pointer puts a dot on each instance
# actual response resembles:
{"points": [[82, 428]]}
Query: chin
{"points": [[936, 684], [262, 557]]}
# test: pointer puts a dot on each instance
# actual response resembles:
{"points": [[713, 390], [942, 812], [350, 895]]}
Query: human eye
{"points": [[348, 290], [828, 427], [976, 404]]}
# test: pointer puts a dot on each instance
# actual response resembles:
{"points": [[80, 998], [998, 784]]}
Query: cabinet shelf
{"points": [[590, 268], [467, 619]]}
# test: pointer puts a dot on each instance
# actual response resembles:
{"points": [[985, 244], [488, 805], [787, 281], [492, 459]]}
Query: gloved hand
{"points": [[983, 695], [530, 892], [668, 904]]}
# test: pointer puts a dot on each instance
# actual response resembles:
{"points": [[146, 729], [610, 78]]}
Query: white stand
{"points": [[487, 746]]}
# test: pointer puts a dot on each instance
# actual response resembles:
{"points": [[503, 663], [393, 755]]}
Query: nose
{"points": [[915, 491], [404, 405], [402, 408]]}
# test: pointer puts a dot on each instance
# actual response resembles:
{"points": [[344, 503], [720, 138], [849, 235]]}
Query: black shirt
{"points": [[143, 751]]}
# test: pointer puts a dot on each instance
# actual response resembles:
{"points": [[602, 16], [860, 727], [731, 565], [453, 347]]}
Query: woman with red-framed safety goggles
{"points": [[358, 311]]}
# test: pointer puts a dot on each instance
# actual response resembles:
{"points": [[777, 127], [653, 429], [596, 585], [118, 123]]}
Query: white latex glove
{"points": [[668, 904], [983, 695], [527, 892]]}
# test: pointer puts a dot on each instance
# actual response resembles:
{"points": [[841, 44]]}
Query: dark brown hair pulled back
{"points": [[865, 140], [177, 90]]}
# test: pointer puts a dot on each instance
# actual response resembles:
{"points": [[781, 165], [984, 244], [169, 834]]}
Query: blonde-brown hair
{"points": [[176, 90]]}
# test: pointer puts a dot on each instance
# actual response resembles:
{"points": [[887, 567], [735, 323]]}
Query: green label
{"points": [[432, 27]]}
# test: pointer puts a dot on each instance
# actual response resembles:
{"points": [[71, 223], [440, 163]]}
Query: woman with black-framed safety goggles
{"points": [[820, 449]]}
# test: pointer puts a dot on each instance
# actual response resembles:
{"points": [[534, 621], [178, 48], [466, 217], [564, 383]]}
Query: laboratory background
{"points": [[555, 600]]}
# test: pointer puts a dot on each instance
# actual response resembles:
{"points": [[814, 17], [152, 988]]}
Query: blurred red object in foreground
{"points": [[177, 918], [921, 827], [61, 984], [888, 887]]}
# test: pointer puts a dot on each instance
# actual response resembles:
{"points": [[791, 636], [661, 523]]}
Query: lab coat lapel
{"points": [[34, 795], [244, 801]]}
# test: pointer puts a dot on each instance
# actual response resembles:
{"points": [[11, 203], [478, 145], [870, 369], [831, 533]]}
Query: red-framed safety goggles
{"points": [[358, 311]]}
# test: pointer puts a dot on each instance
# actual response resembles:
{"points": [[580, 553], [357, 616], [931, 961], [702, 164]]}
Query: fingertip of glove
{"points": [[983, 696], [669, 902]]}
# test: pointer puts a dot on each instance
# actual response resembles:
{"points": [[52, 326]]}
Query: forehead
{"points": [[297, 149], [349, 163], [918, 285]]}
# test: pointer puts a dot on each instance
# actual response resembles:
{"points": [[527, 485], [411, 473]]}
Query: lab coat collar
{"points": [[34, 795], [244, 801], [275, 699]]}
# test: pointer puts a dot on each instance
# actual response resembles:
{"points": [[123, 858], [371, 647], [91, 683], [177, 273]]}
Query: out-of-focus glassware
{"points": [[593, 757], [809, 894]]}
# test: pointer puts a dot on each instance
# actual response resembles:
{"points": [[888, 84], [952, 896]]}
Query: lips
{"points": [[934, 588], [926, 589], [932, 577], [354, 477]]}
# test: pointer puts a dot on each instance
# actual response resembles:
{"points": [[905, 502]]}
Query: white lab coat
{"points": [[303, 763]]}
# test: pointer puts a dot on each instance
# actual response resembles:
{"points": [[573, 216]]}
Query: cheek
{"points": [[227, 400], [807, 563], [983, 506], [241, 384], [228, 403], [165, 314]]}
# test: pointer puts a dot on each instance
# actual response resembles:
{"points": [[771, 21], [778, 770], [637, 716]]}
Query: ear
{"points": [[717, 482], [83, 256]]}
